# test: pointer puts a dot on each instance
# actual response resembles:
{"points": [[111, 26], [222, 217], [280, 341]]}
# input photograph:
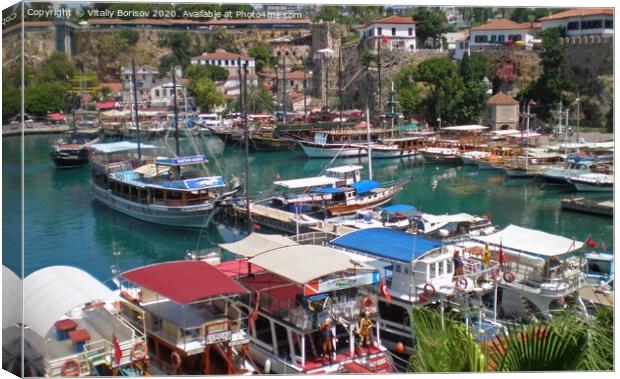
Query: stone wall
{"points": [[38, 45], [590, 57]]}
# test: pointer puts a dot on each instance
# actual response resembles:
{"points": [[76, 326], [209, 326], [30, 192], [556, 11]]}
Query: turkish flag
{"points": [[118, 353], [384, 291], [591, 243], [501, 257], [385, 39]]}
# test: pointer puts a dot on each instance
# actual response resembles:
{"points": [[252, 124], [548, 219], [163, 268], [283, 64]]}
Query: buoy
{"points": [[267, 366], [400, 348], [509, 276], [257, 227]]}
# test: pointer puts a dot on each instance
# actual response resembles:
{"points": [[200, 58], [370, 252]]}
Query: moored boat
{"points": [[592, 182], [445, 155], [71, 151]]}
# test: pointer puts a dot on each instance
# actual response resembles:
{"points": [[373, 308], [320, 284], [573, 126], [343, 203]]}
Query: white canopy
{"points": [[117, 147], [313, 181], [256, 244], [531, 241], [507, 132], [303, 263], [344, 169], [465, 128], [11, 298], [458, 217], [53, 291]]}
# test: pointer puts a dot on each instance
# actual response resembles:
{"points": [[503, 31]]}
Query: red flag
{"points": [[591, 243], [384, 291], [501, 256], [118, 353], [385, 39], [603, 247]]}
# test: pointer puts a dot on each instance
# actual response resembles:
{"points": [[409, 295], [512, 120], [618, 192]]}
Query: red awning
{"points": [[56, 117], [238, 267], [102, 105], [184, 281]]}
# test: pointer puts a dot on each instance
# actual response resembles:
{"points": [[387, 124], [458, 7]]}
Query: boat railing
{"points": [[313, 238], [555, 283], [54, 367]]}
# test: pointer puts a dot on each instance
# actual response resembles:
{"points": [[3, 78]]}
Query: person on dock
{"points": [[364, 329]]}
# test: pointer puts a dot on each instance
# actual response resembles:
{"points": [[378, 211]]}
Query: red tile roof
{"points": [[501, 98], [296, 75], [222, 54], [393, 20], [27, 24], [184, 282], [579, 12], [503, 24]]}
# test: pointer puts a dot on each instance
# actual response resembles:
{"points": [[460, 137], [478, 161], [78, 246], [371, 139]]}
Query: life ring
{"points": [[509, 277], [175, 360], [138, 351], [429, 290], [70, 367], [367, 303], [461, 284]]}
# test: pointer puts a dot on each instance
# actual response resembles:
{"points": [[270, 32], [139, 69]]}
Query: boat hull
{"points": [[583, 186], [367, 202], [397, 153], [331, 151], [69, 161], [194, 216], [514, 173], [439, 158]]}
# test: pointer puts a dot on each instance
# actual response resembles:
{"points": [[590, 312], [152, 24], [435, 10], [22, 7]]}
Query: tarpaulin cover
{"points": [[364, 186]]}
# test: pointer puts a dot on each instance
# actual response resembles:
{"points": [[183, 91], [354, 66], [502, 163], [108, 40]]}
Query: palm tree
{"points": [[564, 342]]}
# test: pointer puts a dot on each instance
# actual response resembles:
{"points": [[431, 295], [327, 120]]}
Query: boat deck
{"points": [[579, 204], [589, 293], [314, 365]]}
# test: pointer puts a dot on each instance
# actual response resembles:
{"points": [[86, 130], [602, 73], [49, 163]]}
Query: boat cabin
{"points": [[118, 156], [192, 322], [539, 270], [75, 328], [307, 304], [599, 268]]}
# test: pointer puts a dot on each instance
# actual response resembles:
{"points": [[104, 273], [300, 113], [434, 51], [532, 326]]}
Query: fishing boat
{"points": [[599, 269], [445, 155], [73, 327], [71, 151], [321, 148], [191, 318], [421, 270], [469, 158], [165, 191], [532, 164], [541, 271], [400, 147], [451, 225], [308, 305], [592, 182]]}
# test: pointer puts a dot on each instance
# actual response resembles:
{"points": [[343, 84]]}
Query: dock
{"points": [[580, 204], [16, 130], [285, 221]]}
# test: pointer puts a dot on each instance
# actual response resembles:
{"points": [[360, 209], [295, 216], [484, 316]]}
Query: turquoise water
{"points": [[65, 226]]}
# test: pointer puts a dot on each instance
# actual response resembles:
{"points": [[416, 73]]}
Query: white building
{"points": [[582, 21], [162, 93], [497, 33], [395, 32], [224, 59], [455, 37]]}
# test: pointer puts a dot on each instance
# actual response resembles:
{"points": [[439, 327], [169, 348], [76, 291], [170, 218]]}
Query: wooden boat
{"points": [[445, 155], [364, 194], [192, 329], [307, 301], [71, 151], [592, 182]]}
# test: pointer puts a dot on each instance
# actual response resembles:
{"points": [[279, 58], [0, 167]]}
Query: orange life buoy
{"points": [[509, 277], [367, 303], [138, 351], [461, 284], [429, 290], [175, 360], [70, 367]]}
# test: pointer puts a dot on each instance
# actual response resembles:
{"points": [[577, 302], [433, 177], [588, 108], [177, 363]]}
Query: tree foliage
{"points": [[431, 23], [131, 36], [198, 71], [409, 94], [474, 69], [445, 89], [206, 93], [555, 80], [262, 55], [530, 14], [367, 57], [259, 100], [328, 13]]}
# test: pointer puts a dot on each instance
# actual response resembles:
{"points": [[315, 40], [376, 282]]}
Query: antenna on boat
{"points": [[176, 111], [135, 105]]}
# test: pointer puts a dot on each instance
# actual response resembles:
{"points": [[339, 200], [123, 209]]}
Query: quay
{"points": [[287, 222], [8, 131], [579, 204]]}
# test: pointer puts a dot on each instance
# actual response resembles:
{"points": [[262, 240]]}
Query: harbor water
{"points": [[64, 225]]}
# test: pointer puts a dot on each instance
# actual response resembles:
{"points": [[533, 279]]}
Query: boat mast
{"points": [[340, 82], [369, 146], [527, 135], [246, 137], [135, 105], [379, 75], [176, 111], [305, 111], [284, 88]]}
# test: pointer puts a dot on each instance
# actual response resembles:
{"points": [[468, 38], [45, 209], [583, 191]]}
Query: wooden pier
{"points": [[285, 221], [579, 204]]}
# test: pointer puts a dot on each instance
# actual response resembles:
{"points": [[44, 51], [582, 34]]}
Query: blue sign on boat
{"points": [[208, 182], [193, 159]]}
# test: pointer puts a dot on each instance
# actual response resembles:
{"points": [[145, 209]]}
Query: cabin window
{"points": [[405, 270], [156, 93], [263, 330], [440, 266], [284, 350], [397, 268], [433, 270]]}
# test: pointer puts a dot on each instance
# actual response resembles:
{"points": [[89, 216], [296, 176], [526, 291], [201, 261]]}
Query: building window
{"points": [[364, 34], [156, 93], [592, 24], [286, 53], [573, 25], [609, 24], [467, 45], [410, 31], [493, 38], [292, 83], [393, 31], [379, 31]]}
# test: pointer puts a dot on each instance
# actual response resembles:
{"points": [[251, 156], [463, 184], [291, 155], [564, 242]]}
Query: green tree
{"points": [[328, 13], [530, 14], [260, 100], [57, 67], [409, 94], [430, 23], [131, 36], [206, 94], [42, 98], [262, 55], [180, 45], [197, 71], [445, 86], [365, 14], [11, 102], [367, 57], [474, 69], [555, 79]]}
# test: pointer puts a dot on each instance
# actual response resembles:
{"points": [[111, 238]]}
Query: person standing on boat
{"points": [[328, 331], [458, 265], [365, 326]]}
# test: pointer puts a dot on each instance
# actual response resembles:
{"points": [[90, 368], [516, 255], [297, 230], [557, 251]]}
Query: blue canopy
{"points": [[400, 208], [364, 186], [387, 243], [326, 190]]}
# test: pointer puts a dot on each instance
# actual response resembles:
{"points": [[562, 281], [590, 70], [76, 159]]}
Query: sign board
{"points": [[181, 160], [212, 338], [335, 284]]}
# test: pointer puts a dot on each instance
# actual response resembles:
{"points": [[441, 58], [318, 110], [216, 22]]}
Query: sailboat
{"points": [[171, 191]]}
